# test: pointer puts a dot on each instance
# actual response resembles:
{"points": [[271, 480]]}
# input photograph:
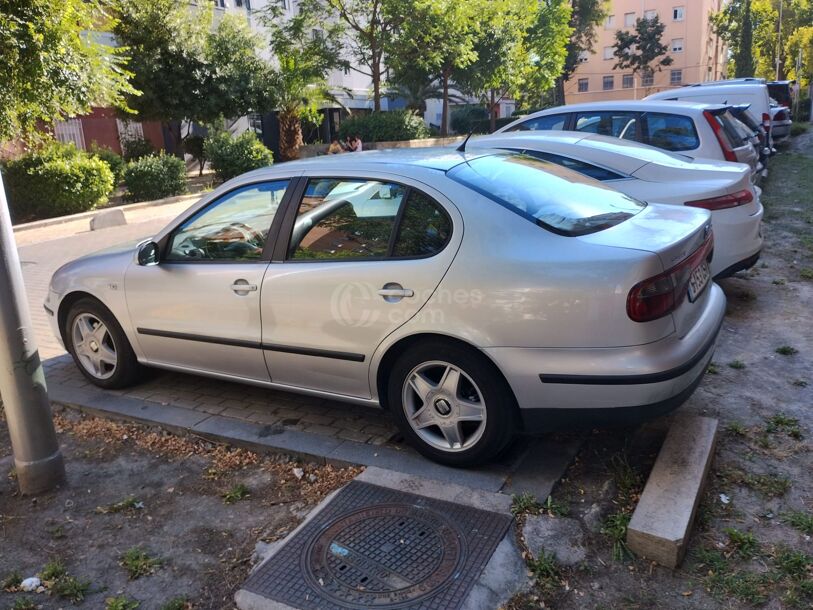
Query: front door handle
{"points": [[242, 287], [393, 292]]}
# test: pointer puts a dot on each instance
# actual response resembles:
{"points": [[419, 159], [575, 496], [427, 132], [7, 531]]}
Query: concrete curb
{"points": [[49, 222]]}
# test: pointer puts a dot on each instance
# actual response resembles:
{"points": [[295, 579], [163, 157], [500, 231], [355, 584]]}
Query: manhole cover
{"points": [[373, 547]]}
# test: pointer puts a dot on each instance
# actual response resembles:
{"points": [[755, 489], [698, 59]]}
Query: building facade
{"points": [[697, 53]]}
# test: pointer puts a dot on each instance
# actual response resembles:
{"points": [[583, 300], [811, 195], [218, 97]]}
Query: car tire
{"points": [[451, 403], [99, 347]]}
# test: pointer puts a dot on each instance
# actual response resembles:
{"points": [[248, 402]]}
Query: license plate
{"points": [[698, 281]]}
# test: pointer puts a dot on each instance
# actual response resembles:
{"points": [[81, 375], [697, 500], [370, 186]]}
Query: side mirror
{"points": [[148, 254]]}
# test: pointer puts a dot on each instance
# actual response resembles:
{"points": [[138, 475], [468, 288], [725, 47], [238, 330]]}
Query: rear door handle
{"points": [[396, 292], [243, 287]]}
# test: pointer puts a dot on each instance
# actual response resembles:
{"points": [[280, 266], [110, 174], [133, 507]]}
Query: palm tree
{"points": [[417, 87]]}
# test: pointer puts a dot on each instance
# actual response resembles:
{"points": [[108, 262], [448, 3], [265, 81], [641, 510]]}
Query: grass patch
{"points": [[546, 571], [723, 579], [138, 563], [68, 587], [806, 273], [554, 508], [525, 504], [798, 128], [236, 493], [769, 485], [800, 383], [712, 369], [786, 350], [783, 423], [736, 428], [792, 564], [744, 543], [53, 570], [778, 282], [800, 520], [129, 503], [615, 528], [24, 603], [177, 603], [737, 364], [11, 582], [120, 603]]}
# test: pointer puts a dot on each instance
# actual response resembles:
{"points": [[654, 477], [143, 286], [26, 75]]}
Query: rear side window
{"points": [[557, 199], [670, 131], [424, 228], [542, 123], [732, 128], [588, 169], [606, 123]]}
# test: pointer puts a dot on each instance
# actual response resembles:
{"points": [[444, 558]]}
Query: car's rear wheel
{"points": [[99, 346], [451, 403]]}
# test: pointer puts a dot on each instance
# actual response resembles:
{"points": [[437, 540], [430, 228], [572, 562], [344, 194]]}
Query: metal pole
{"points": [[779, 40], [37, 457]]}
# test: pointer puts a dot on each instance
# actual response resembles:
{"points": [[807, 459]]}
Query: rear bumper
{"points": [[739, 266], [644, 380], [737, 238]]}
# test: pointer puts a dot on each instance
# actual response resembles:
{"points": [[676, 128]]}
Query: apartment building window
{"points": [[220, 3], [650, 14], [675, 77], [626, 81], [677, 45], [608, 83], [583, 85], [609, 22], [629, 20], [583, 57], [678, 13], [647, 78], [284, 4]]}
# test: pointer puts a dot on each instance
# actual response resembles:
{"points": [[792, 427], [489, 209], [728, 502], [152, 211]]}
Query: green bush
{"points": [[798, 129], [114, 161], [465, 117], [385, 127], [137, 148], [231, 157], [155, 177], [484, 125], [55, 181]]}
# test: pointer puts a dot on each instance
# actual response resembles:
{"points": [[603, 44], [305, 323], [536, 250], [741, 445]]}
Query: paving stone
{"points": [[660, 526], [561, 536], [107, 219]]}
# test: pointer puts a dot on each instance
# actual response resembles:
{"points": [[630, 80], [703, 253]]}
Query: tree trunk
{"points": [[559, 91], [492, 113], [375, 70], [444, 115], [173, 142], [290, 135]]}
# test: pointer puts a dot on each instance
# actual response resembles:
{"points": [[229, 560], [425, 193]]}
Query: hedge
{"points": [[113, 160], [137, 148], [484, 125], [55, 181], [465, 117], [155, 177], [385, 127], [230, 157]]}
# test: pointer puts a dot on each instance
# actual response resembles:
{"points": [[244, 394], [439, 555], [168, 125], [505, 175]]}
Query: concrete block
{"points": [[107, 218], [660, 526], [560, 536]]}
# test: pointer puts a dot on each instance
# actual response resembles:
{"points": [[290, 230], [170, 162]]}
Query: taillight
{"points": [[766, 121], [726, 201], [660, 295], [728, 152], [781, 116]]}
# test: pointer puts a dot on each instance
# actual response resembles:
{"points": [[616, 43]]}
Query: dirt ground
{"points": [[752, 544], [148, 518]]}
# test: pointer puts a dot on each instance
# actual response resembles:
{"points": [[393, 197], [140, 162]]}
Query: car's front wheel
{"points": [[99, 346], [451, 403]]}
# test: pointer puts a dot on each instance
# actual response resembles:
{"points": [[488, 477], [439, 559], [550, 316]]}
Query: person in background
{"points": [[347, 145], [335, 147], [357, 147]]}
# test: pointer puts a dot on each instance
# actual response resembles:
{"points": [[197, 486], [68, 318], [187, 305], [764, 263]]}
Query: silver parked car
{"points": [[471, 294]]}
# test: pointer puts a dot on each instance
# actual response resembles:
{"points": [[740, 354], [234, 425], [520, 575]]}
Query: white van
{"points": [[732, 92]]}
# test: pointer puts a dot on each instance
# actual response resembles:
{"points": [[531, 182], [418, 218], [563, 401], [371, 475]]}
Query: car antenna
{"points": [[462, 147]]}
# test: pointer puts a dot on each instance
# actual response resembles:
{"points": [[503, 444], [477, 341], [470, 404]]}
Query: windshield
{"points": [[553, 197]]}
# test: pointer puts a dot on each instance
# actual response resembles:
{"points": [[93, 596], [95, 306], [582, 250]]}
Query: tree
{"points": [[547, 42], [187, 70], [744, 58], [51, 67], [585, 16], [438, 37], [304, 59], [371, 26], [415, 86], [642, 50]]}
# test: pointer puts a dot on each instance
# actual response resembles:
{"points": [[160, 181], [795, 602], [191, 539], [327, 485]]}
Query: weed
{"points": [[782, 423], [712, 369], [792, 564], [70, 588], [177, 603], [546, 571], [627, 479], [737, 429], [786, 350], [737, 364], [801, 520], [769, 485], [747, 295], [524, 504], [11, 582], [800, 383], [236, 493], [129, 503], [138, 563], [779, 282], [53, 569], [724, 580], [615, 528], [120, 603], [554, 508], [57, 533], [806, 273], [24, 603], [745, 543]]}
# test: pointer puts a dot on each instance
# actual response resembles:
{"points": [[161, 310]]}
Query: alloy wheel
{"points": [[93, 345]]}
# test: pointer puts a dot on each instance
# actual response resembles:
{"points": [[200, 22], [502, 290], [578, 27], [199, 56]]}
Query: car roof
{"points": [[706, 89]]}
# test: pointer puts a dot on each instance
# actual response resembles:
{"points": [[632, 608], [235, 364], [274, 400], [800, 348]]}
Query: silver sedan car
{"points": [[470, 294]]}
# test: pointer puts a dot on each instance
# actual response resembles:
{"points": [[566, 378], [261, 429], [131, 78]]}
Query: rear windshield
{"points": [[731, 128], [547, 194]]}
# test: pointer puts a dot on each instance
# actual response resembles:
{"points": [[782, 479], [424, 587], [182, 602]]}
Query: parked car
{"points": [[780, 120], [735, 91], [782, 91], [656, 176], [699, 130], [759, 137], [471, 294]]}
